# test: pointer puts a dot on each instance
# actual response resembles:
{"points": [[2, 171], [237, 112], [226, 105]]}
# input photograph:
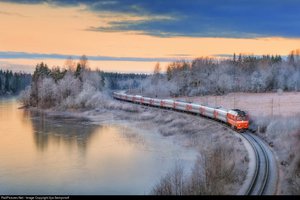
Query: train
{"points": [[235, 118]]}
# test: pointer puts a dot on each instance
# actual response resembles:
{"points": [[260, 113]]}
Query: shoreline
{"points": [[186, 130]]}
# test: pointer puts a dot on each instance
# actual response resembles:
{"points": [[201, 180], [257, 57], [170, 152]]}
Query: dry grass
{"points": [[213, 173], [283, 135], [277, 117], [257, 104]]}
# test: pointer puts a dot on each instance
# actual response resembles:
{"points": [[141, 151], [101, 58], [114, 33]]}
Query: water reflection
{"points": [[40, 154], [72, 132]]}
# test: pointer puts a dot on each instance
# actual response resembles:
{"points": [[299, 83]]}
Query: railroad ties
{"points": [[265, 176], [264, 181]]}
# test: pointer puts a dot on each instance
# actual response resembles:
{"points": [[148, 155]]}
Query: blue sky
{"points": [[197, 18], [135, 34]]}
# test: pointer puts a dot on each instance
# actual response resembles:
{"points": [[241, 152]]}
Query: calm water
{"points": [[42, 155]]}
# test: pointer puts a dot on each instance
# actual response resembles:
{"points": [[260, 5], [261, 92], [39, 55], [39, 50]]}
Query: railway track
{"points": [[264, 180], [265, 173]]}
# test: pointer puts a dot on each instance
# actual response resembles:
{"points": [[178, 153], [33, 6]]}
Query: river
{"points": [[66, 156]]}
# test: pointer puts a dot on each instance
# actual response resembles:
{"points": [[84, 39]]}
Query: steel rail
{"points": [[257, 185], [262, 173]]}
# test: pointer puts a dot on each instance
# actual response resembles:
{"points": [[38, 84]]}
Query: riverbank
{"points": [[205, 136], [46, 155]]}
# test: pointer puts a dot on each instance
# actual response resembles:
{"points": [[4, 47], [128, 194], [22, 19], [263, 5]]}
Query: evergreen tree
{"points": [[7, 89], [12, 83]]}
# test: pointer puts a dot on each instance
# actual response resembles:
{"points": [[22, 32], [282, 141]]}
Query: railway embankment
{"points": [[276, 119]]}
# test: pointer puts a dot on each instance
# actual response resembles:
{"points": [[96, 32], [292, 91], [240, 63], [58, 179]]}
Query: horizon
{"points": [[149, 97], [131, 36], [4, 66]]}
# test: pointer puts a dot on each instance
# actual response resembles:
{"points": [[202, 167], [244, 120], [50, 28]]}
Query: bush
{"points": [[213, 172], [283, 134], [68, 92], [25, 96]]}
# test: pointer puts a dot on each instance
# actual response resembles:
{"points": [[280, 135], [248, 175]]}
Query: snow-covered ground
{"points": [[256, 104], [278, 117]]}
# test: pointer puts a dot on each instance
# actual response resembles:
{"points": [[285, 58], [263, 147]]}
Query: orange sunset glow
{"points": [[149, 97], [50, 29]]}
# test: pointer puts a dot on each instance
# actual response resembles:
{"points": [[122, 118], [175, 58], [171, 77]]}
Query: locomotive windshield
{"points": [[241, 115], [242, 118]]}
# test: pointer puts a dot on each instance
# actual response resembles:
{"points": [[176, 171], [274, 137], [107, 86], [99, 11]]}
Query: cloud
{"points": [[192, 18], [26, 55], [180, 55], [245, 54], [11, 13], [16, 67]]}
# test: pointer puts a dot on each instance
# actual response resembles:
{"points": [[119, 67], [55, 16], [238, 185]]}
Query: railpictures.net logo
{"points": [[35, 197]]}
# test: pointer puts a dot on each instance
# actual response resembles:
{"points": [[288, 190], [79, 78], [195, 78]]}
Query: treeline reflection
{"points": [[72, 132]]}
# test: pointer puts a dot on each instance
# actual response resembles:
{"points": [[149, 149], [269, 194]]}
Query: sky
{"points": [[132, 35]]}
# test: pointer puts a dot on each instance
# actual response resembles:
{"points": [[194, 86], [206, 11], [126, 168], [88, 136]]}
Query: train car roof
{"points": [[194, 104], [222, 109], [168, 100], [179, 100], [207, 107]]}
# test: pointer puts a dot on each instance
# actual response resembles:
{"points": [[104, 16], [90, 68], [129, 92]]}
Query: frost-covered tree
{"points": [[69, 86], [58, 88], [48, 93], [244, 73]]}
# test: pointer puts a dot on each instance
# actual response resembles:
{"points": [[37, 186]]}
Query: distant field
{"points": [[257, 104]]}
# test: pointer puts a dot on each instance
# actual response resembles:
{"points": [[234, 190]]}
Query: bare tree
{"points": [[213, 173], [83, 61], [291, 58], [156, 75], [157, 69], [70, 64]]}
